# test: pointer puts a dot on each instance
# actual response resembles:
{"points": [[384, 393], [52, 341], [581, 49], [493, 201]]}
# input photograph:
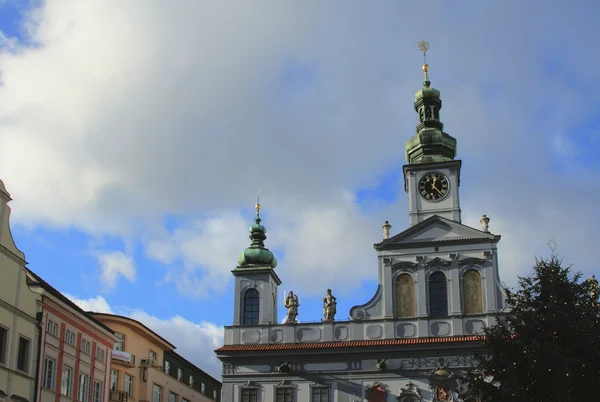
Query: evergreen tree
{"points": [[545, 345]]}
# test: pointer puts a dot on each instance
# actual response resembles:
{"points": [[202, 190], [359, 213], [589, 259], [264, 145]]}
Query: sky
{"points": [[135, 136]]}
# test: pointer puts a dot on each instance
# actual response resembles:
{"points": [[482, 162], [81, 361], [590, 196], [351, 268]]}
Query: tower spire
{"points": [[257, 254], [430, 143]]}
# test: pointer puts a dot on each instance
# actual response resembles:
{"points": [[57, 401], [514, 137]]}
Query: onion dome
{"points": [[430, 143], [257, 255]]}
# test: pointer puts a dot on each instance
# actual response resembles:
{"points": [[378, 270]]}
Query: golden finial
{"points": [[257, 206], [424, 47]]}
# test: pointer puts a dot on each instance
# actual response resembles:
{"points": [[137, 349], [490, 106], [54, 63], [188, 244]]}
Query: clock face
{"points": [[433, 186]]}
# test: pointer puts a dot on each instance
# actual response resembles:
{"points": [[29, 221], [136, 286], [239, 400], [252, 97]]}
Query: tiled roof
{"points": [[349, 344]]}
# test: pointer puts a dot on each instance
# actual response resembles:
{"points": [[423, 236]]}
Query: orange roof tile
{"points": [[349, 344]]}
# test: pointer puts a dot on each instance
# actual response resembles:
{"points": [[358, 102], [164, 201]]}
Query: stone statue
{"points": [[329, 306], [292, 304]]}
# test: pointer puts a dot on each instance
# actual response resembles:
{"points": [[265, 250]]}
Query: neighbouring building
{"points": [[75, 349], [19, 330], [438, 288], [146, 368]]}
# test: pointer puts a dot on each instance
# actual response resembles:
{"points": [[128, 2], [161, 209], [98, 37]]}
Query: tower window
{"points": [[251, 304], [438, 295]]}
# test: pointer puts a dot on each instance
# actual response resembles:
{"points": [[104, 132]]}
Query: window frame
{"points": [[152, 356], [70, 337], [100, 352], [248, 313], [438, 299], [249, 399], [179, 374], [128, 383], [83, 393], [284, 388], [191, 381], [114, 378], [27, 359], [320, 387], [52, 328], [167, 367], [120, 344], [154, 388], [67, 381], [171, 394], [85, 346], [99, 391], [49, 374], [4, 331]]}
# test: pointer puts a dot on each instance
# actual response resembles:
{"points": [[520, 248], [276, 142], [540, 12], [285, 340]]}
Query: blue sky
{"points": [[135, 136]]}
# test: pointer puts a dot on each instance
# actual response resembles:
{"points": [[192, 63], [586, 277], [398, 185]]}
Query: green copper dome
{"points": [[430, 143], [257, 254]]}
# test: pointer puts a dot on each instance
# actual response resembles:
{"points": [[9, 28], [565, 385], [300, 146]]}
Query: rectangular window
{"points": [[172, 397], [114, 379], [97, 391], [191, 381], [152, 357], [320, 394], [70, 337], [180, 374], [156, 393], [120, 345], [128, 383], [3, 344], [23, 355], [52, 328], [167, 367], [49, 367], [86, 346], [66, 383], [283, 395], [83, 393], [99, 354], [203, 388], [249, 395]]}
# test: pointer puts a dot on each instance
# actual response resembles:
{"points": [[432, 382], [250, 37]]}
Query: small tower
{"points": [[256, 282], [432, 175]]}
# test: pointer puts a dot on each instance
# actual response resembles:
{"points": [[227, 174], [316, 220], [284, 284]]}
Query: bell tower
{"points": [[256, 283], [432, 176]]}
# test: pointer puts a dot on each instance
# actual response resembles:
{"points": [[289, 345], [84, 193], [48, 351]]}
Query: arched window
{"points": [[405, 296], [251, 303], [438, 295], [472, 294]]}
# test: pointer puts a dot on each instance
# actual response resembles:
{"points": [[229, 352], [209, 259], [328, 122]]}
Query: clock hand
{"points": [[436, 189]]}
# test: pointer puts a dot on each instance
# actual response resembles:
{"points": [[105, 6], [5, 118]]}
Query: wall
{"points": [[211, 385]]}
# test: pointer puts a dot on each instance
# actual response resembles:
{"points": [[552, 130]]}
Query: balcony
{"points": [[122, 357], [119, 396]]}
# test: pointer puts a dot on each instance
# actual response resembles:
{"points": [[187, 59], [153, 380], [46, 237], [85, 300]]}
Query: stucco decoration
{"points": [[329, 306], [410, 393], [472, 292], [443, 383], [405, 296]]}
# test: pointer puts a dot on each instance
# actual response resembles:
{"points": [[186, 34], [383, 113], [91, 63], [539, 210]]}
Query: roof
{"points": [[48, 288], [139, 324], [350, 344], [190, 363], [436, 230]]}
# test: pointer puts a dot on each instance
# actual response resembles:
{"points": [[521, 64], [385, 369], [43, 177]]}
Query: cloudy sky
{"points": [[134, 137]]}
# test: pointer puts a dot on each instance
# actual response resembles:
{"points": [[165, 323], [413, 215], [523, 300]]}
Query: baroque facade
{"points": [[145, 367], [19, 329], [438, 288]]}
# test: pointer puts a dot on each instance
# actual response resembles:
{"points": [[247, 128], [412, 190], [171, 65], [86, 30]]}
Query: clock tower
{"points": [[432, 175]]}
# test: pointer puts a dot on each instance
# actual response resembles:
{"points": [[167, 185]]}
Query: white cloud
{"points": [[97, 304], [114, 264], [194, 341], [126, 112]]}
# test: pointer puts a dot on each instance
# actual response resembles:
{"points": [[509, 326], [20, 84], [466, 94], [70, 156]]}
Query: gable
{"points": [[437, 230]]}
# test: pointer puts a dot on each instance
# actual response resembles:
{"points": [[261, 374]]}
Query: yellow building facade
{"points": [[19, 332]]}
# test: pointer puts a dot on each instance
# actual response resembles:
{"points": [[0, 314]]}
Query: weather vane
{"points": [[257, 206], [424, 47], [552, 244]]}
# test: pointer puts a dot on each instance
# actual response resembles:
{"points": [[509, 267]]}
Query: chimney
{"points": [[386, 230]]}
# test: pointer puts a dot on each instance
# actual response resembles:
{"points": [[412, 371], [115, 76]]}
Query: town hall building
{"points": [[439, 286]]}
